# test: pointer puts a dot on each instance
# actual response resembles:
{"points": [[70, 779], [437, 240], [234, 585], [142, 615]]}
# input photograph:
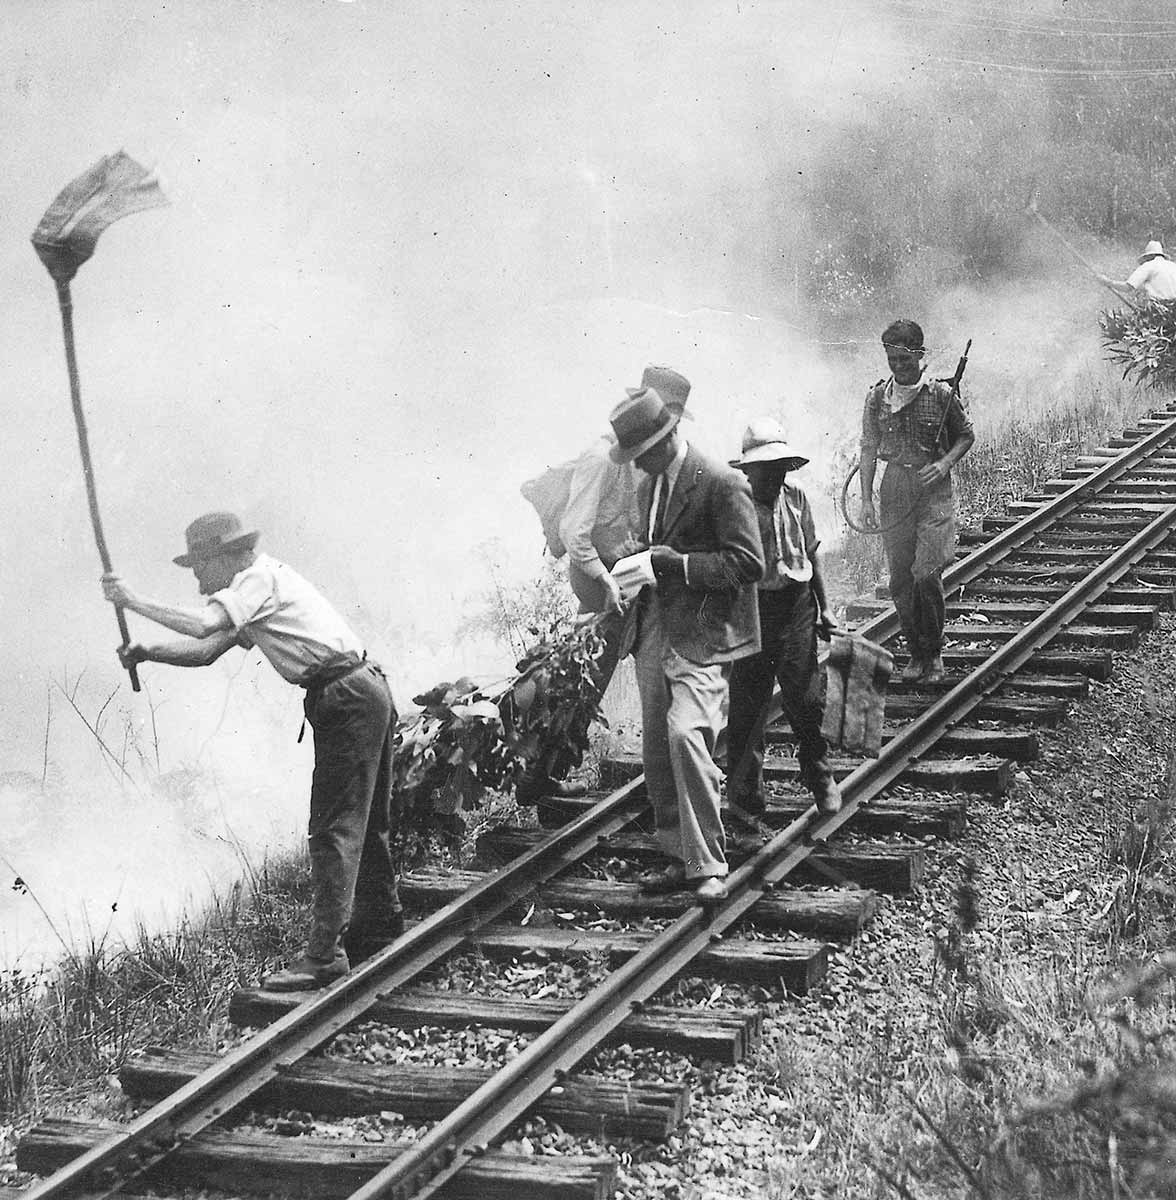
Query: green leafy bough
{"points": [[1143, 341], [468, 739]]}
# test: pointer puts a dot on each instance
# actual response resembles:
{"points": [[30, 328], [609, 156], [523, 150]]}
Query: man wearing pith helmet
{"points": [[256, 601], [792, 608], [693, 617], [1153, 279], [917, 425]]}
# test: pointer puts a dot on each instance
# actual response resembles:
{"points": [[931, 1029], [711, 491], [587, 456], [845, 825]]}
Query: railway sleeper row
{"points": [[834, 896], [324, 1168]]}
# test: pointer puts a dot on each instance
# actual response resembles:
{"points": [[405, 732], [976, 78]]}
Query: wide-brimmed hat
{"points": [[674, 389], [640, 421], [213, 534], [764, 440], [1153, 249]]}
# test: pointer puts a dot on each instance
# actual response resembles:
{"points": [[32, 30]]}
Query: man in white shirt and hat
{"points": [[695, 613], [1153, 279], [793, 607], [256, 601]]}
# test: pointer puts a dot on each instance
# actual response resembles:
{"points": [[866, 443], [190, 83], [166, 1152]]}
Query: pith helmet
{"points": [[764, 440]]}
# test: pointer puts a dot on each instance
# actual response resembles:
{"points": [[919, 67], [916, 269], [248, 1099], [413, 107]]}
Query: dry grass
{"points": [[64, 1028], [1043, 1075]]}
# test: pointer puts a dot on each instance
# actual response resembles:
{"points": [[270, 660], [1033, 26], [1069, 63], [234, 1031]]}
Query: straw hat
{"points": [[764, 440], [640, 421], [1153, 249], [213, 534]]}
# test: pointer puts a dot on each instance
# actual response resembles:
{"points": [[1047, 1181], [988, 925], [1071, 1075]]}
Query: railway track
{"points": [[1039, 602]]}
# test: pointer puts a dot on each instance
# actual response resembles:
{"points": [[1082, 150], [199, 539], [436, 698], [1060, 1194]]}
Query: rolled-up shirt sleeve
{"points": [[247, 598], [957, 423], [808, 527], [1140, 275]]}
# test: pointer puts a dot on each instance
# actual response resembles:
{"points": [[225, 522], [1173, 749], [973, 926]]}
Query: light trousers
{"points": [[917, 551], [681, 715]]}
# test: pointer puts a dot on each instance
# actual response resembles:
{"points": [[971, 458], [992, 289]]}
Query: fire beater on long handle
{"points": [[115, 186]]}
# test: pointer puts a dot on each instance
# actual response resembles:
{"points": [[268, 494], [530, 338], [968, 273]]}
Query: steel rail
{"points": [[204, 1100], [885, 625], [439, 1155]]}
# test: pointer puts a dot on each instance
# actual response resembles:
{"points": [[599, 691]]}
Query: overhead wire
{"points": [[1063, 27], [1071, 68]]}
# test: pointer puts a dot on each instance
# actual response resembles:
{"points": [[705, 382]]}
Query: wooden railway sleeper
{"points": [[437, 1156]]}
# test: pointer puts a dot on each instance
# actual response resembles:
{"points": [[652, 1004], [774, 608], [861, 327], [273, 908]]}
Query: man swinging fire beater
{"points": [[256, 601]]}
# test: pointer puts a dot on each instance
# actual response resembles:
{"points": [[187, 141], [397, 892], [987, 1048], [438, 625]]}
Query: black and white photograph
{"points": [[589, 600]]}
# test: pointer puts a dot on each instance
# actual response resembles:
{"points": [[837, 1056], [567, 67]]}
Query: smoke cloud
{"points": [[414, 253]]}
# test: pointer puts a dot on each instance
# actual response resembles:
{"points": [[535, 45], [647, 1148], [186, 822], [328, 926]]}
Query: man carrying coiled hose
{"points": [[917, 425]]}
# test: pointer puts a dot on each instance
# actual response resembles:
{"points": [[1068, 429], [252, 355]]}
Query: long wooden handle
{"points": [[1083, 259], [75, 392]]}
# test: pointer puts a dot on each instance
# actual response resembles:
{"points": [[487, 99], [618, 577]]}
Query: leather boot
{"points": [[306, 974], [934, 671]]}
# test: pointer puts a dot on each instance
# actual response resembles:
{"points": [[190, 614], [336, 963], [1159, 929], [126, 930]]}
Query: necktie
{"points": [[659, 516]]}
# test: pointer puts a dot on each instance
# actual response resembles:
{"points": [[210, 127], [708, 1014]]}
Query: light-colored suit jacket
{"points": [[713, 615]]}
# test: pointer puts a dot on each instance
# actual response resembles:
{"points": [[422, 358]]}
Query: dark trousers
{"points": [[544, 769], [788, 637], [917, 550], [352, 813]]}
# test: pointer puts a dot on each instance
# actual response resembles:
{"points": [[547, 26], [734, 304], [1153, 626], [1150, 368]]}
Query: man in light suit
{"points": [[598, 527], [698, 614]]}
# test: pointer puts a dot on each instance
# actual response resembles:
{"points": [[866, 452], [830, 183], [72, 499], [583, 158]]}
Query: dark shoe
{"points": [[305, 974], [913, 671], [933, 672], [711, 890], [661, 883], [828, 796], [751, 803], [568, 791], [532, 789], [361, 944]]}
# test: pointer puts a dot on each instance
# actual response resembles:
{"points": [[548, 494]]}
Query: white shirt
{"points": [[789, 537], [273, 608], [670, 476], [1156, 277]]}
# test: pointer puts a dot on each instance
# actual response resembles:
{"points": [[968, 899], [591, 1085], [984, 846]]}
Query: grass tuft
{"points": [[64, 1029]]}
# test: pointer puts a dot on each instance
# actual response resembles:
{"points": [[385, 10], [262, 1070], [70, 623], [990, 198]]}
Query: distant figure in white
{"points": [[1153, 279], [256, 601]]}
